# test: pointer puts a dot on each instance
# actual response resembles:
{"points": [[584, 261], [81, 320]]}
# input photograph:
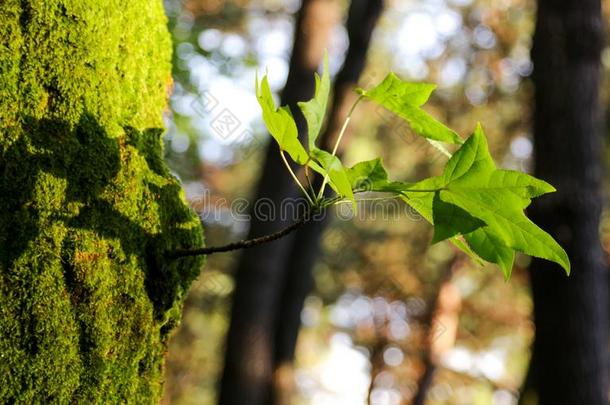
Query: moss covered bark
{"points": [[87, 205]]}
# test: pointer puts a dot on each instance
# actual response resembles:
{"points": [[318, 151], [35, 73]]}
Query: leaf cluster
{"points": [[472, 204]]}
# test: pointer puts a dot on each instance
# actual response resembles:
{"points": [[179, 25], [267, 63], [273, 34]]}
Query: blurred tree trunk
{"points": [[87, 205], [304, 248], [272, 281], [260, 275], [377, 362], [441, 323], [571, 313]]}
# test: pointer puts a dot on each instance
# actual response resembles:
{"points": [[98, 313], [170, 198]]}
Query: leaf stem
{"points": [[330, 201], [339, 138], [420, 190], [294, 177], [369, 199], [423, 190], [313, 192], [248, 243], [347, 119]]}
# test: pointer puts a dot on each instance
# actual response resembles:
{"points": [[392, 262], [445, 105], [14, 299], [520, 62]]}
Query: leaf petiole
{"points": [[313, 192], [339, 138], [294, 177]]}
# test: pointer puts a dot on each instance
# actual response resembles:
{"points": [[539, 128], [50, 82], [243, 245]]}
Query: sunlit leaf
{"points": [[450, 220], [369, 175], [280, 123], [471, 182], [490, 248], [336, 172], [405, 99], [315, 109], [474, 205]]}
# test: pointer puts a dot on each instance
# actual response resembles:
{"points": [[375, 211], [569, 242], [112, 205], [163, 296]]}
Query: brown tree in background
{"points": [[305, 247], [571, 313], [273, 280], [260, 275]]}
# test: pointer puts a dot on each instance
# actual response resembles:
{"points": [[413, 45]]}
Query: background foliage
{"points": [[377, 278]]}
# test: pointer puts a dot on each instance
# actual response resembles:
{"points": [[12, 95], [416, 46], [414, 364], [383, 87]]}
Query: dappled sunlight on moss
{"points": [[88, 207]]}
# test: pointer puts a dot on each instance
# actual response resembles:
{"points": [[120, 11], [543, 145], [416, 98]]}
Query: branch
{"points": [[242, 244]]}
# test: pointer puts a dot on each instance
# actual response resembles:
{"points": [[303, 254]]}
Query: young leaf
{"points": [[369, 175], [471, 182], [405, 99], [337, 174], [280, 123], [315, 109]]}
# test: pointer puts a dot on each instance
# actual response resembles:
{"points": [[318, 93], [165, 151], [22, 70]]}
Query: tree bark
{"points": [[87, 205], [571, 313]]}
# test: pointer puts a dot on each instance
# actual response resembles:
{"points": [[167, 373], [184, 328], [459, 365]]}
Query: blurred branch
{"points": [[242, 244]]}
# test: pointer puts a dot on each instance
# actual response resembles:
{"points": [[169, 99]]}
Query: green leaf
{"points": [[450, 220], [337, 174], [420, 196], [316, 167], [315, 109], [423, 204], [405, 99], [485, 244], [474, 205], [460, 243], [400, 92], [369, 175], [478, 244], [280, 123], [471, 182]]}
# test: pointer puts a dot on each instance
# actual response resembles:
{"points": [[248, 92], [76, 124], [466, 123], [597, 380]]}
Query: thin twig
{"points": [[242, 244]]}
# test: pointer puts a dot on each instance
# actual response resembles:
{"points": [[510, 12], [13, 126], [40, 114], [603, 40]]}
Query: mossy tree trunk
{"points": [[87, 205]]}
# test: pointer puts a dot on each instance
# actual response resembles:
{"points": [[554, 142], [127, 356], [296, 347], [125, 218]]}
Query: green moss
{"points": [[87, 205]]}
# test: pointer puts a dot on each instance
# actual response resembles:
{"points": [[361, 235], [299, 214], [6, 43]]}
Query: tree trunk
{"points": [[87, 205], [571, 313], [247, 375], [441, 323], [305, 247]]}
